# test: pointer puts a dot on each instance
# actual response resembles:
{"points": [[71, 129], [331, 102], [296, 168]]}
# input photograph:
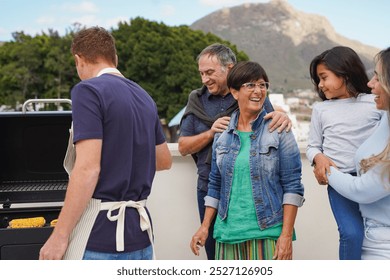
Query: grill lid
{"points": [[32, 149]]}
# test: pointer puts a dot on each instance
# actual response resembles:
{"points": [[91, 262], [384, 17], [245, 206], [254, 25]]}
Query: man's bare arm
{"points": [[163, 157], [193, 144]]}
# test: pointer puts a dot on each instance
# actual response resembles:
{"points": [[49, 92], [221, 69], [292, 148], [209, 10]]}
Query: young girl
{"points": [[339, 125]]}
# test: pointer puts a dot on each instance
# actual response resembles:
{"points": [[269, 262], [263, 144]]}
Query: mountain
{"points": [[283, 40]]}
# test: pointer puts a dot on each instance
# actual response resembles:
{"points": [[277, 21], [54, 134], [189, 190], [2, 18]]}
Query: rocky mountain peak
{"points": [[283, 39]]}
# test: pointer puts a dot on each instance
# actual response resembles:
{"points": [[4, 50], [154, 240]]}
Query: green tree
{"points": [[160, 58], [20, 62], [60, 74], [35, 67]]}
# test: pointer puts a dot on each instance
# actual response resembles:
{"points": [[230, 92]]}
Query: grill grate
{"points": [[32, 186]]}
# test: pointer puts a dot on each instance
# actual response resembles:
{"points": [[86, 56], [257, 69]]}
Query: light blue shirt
{"points": [[371, 190]]}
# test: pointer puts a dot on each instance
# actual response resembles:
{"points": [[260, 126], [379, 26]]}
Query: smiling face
{"points": [[381, 96], [330, 84], [250, 101], [213, 74]]}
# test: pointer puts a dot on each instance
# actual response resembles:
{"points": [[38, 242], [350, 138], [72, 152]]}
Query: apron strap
{"points": [[70, 156], [120, 218]]}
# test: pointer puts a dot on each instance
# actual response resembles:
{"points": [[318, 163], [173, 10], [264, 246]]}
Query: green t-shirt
{"points": [[241, 222]]}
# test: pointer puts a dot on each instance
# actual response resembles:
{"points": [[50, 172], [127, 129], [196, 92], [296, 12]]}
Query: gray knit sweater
{"points": [[338, 127]]}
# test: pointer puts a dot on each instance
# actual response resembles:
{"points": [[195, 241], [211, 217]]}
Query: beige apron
{"points": [[80, 234], [70, 156]]}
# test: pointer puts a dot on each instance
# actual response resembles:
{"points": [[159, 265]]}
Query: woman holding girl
{"points": [[339, 125], [372, 188]]}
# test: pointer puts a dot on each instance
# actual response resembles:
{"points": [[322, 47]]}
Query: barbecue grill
{"points": [[32, 178]]}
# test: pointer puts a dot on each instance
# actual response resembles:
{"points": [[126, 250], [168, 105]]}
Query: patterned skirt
{"points": [[257, 249]]}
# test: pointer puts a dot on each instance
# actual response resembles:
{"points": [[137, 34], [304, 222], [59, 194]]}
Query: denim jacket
{"points": [[275, 166]]}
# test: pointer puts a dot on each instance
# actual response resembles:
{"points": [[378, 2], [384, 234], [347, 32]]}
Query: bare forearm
{"points": [[289, 215], [193, 144], [163, 157], [200, 237], [208, 216], [284, 249], [82, 184], [79, 192]]}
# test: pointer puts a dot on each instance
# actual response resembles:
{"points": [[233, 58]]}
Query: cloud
{"points": [[3, 31], [87, 20], [113, 22], [225, 3], [46, 20], [168, 10], [60, 16], [82, 7]]}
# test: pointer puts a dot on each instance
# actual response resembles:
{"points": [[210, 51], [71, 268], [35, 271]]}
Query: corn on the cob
{"points": [[27, 222], [53, 222]]}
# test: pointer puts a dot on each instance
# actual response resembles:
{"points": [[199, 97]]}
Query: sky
{"points": [[367, 21]]}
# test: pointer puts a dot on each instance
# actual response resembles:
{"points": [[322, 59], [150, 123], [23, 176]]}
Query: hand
{"points": [[220, 124], [199, 240], [280, 121], [54, 248], [322, 168], [283, 250]]}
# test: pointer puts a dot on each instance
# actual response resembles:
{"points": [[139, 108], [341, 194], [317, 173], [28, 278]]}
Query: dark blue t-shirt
{"points": [[125, 117]]}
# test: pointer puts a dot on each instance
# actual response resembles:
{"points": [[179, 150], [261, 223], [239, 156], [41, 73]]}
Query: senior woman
{"points": [[371, 189], [255, 181]]}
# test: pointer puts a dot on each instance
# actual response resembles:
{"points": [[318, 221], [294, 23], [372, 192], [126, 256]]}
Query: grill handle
{"points": [[30, 101]]}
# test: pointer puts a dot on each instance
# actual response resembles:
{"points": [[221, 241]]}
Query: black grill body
{"points": [[33, 180]]}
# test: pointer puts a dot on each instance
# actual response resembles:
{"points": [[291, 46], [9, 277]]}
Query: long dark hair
{"points": [[344, 62]]}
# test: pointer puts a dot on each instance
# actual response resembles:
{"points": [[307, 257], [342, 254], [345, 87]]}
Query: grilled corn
{"points": [[53, 222], [27, 222]]}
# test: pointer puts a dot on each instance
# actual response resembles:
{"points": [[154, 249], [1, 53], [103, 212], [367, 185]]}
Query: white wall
{"points": [[175, 217]]}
